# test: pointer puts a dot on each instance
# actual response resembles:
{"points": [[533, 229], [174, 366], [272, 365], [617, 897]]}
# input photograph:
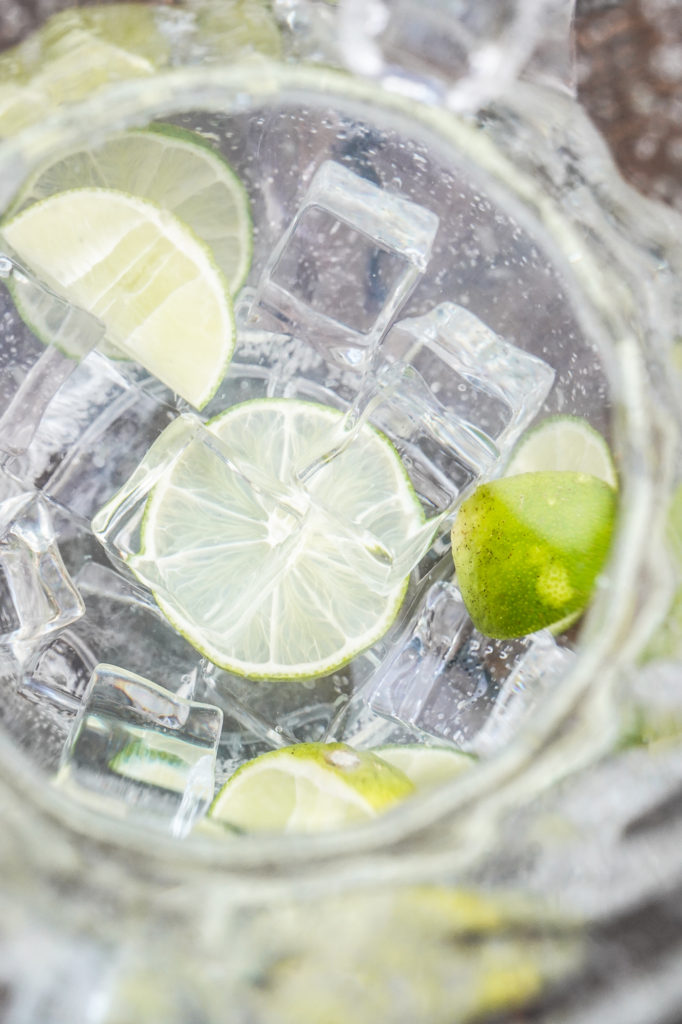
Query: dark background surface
{"points": [[629, 59]]}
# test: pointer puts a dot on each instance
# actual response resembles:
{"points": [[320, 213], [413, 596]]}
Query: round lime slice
{"points": [[566, 443], [176, 169], [310, 787], [275, 589], [142, 273]]}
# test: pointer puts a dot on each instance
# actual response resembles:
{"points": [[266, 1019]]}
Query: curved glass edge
{"points": [[437, 828]]}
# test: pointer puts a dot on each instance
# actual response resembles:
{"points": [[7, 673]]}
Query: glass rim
{"points": [[428, 817]]}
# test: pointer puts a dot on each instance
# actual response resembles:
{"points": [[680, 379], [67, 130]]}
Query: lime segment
{"points": [[310, 787], [139, 270], [426, 766], [264, 589], [566, 443]]}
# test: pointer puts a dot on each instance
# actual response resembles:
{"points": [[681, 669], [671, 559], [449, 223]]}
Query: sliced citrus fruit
{"points": [[83, 48], [174, 168], [566, 443], [74, 53], [142, 272], [310, 787], [267, 588], [426, 766], [528, 549]]}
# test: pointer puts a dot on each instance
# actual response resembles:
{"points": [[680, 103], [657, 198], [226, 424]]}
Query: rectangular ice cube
{"points": [[491, 388], [92, 434], [37, 596], [64, 334], [447, 682], [139, 751], [346, 264]]}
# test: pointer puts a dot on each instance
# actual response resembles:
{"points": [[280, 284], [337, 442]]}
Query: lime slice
{"points": [[139, 270], [176, 169], [528, 549], [566, 443], [426, 766], [259, 591], [310, 787]]}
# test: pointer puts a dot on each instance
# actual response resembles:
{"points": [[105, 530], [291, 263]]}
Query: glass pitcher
{"points": [[442, 249]]}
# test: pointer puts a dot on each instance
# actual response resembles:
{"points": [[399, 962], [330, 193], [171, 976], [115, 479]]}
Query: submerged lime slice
{"points": [[528, 549], [176, 169], [426, 766], [142, 272], [310, 787], [566, 443], [269, 587]]}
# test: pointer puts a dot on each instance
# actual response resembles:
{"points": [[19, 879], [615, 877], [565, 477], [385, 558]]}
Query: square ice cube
{"points": [[346, 264], [37, 596], [93, 432], [139, 751], [64, 334], [489, 387], [447, 682]]}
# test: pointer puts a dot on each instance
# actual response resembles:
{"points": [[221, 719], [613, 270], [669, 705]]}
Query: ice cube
{"points": [[37, 596], [491, 388], [445, 681], [346, 264], [64, 335], [141, 752]]}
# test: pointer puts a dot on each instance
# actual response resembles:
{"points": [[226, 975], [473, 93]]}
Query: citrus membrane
{"points": [[176, 169], [277, 588], [566, 443], [528, 549], [309, 787], [142, 273], [425, 766]]}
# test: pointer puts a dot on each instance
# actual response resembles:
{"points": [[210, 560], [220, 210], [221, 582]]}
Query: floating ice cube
{"points": [[65, 335], [346, 263], [488, 386], [139, 751], [91, 436], [452, 397], [445, 681], [37, 596]]}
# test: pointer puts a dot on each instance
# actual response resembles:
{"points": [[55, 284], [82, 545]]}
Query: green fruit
{"points": [[528, 549]]}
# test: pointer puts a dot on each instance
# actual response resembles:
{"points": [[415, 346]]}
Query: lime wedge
{"points": [[83, 48], [176, 169], [528, 549], [310, 787], [566, 443], [426, 766], [259, 591], [139, 270], [73, 54]]}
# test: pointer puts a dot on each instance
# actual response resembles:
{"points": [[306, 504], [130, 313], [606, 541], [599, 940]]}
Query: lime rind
{"points": [[381, 610]]}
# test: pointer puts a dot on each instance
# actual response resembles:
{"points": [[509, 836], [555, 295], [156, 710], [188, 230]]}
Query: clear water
{"points": [[384, 283]]}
